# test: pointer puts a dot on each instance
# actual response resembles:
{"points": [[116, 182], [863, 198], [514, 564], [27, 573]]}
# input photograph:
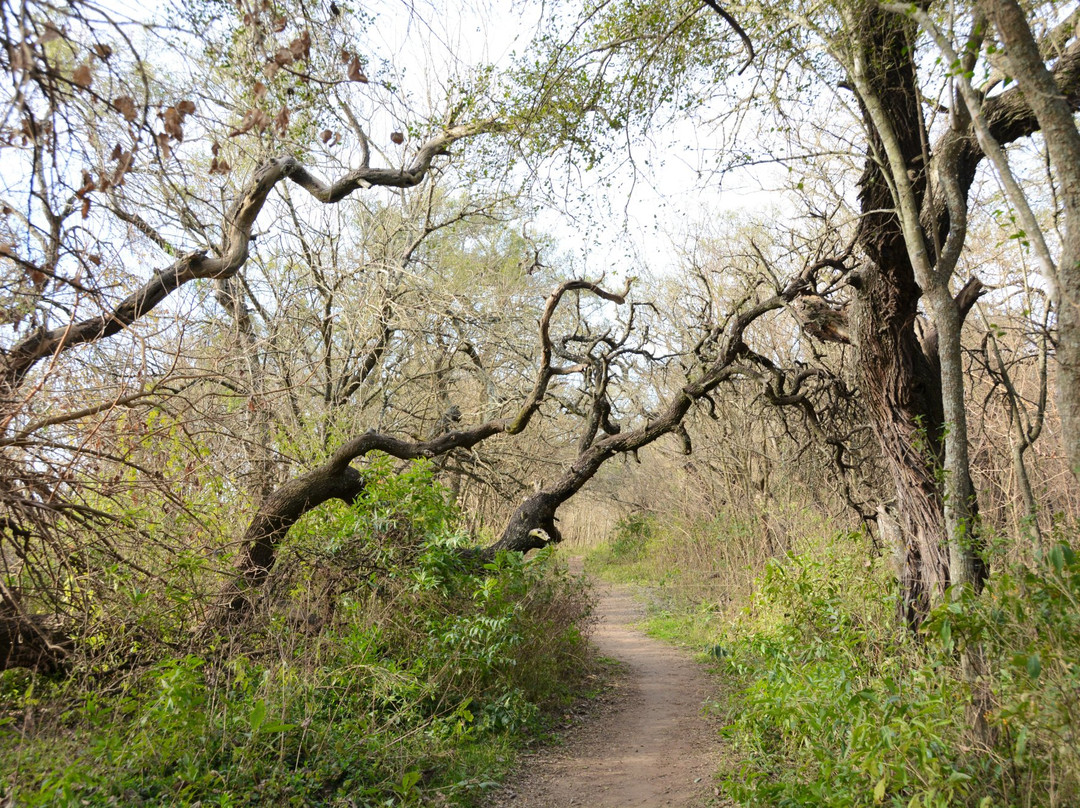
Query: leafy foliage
{"points": [[404, 675], [841, 707]]}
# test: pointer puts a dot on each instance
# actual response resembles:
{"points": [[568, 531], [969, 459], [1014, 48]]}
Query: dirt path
{"points": [[647, 744]]}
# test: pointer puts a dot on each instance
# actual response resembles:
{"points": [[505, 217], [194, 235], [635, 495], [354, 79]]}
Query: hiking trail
{"points": [[646, 743]]}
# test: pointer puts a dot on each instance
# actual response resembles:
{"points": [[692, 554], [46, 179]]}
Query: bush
{"points": [[380, 666], [843, 708]]}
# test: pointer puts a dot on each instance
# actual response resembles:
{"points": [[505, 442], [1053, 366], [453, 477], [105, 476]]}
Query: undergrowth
{"points": [[384, 667], [836, 704]]}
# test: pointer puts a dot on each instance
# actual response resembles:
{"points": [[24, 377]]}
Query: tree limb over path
{"points": [[337, 479]]}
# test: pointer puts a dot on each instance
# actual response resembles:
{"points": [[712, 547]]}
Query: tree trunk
{"points": [[900, 383]]}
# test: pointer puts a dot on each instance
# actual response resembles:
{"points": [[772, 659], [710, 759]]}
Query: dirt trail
{"points": [[647, 744]]}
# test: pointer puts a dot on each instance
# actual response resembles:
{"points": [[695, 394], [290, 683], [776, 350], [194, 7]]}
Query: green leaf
{"points": [[257, 715], [879, 791], [1057, 558], [1034, 666], [1021, 746]]}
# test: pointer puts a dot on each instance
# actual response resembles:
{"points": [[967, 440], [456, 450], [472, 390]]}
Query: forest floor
{"points": [[646, 741]]}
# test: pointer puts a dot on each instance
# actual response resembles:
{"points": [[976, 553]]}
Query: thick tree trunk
{"points": [[900, 384]]}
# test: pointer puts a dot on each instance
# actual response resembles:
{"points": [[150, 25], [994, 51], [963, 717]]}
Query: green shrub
{"points": [[632, 536], [841, 707], [382, 665]]}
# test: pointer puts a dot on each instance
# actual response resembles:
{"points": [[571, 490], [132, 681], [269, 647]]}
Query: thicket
{"points": [[836, 703], [383, 665]]}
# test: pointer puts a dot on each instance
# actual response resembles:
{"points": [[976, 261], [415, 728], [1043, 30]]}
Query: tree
{"points": [[920, 161]]}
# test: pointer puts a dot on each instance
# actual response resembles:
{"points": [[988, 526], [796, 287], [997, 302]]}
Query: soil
{"points": [[645, 742]]}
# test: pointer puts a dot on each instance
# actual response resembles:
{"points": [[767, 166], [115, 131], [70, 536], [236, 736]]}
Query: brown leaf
{"points": [[186, 107], [262, 120], [102, 51], [326, 135], [86, 207], [39, 279], [94, 259], [52, 33], [397, 138], [215, 147], [284, 56], [173, 118], [88, 184], [125, 105], [163, 144], [117, 152], [271, 68], [346, 56], [259, 91], [7, 249], [281, 122], [279, 24], [82, 76], [301, 46], [356, 73], [246, 123]]}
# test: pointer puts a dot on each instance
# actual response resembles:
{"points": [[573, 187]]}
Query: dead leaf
{"points": [[397, 138], [346, 56], [125, 105], [82, 77], [173, 119], [94, 259], [102, 51], [283, 56], [163, 144], [279, 24], [259, 91], [246, 123], [88, 184], [356, 72], [86, 207], [281, 122], [301, 46], [39, 279], [186, 107], [270, 69], [215, 147], [117, 152], [326, 135], [52, 33]]}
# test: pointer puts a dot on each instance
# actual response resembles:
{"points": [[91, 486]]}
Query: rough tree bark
{"points": [[900, 376]]}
